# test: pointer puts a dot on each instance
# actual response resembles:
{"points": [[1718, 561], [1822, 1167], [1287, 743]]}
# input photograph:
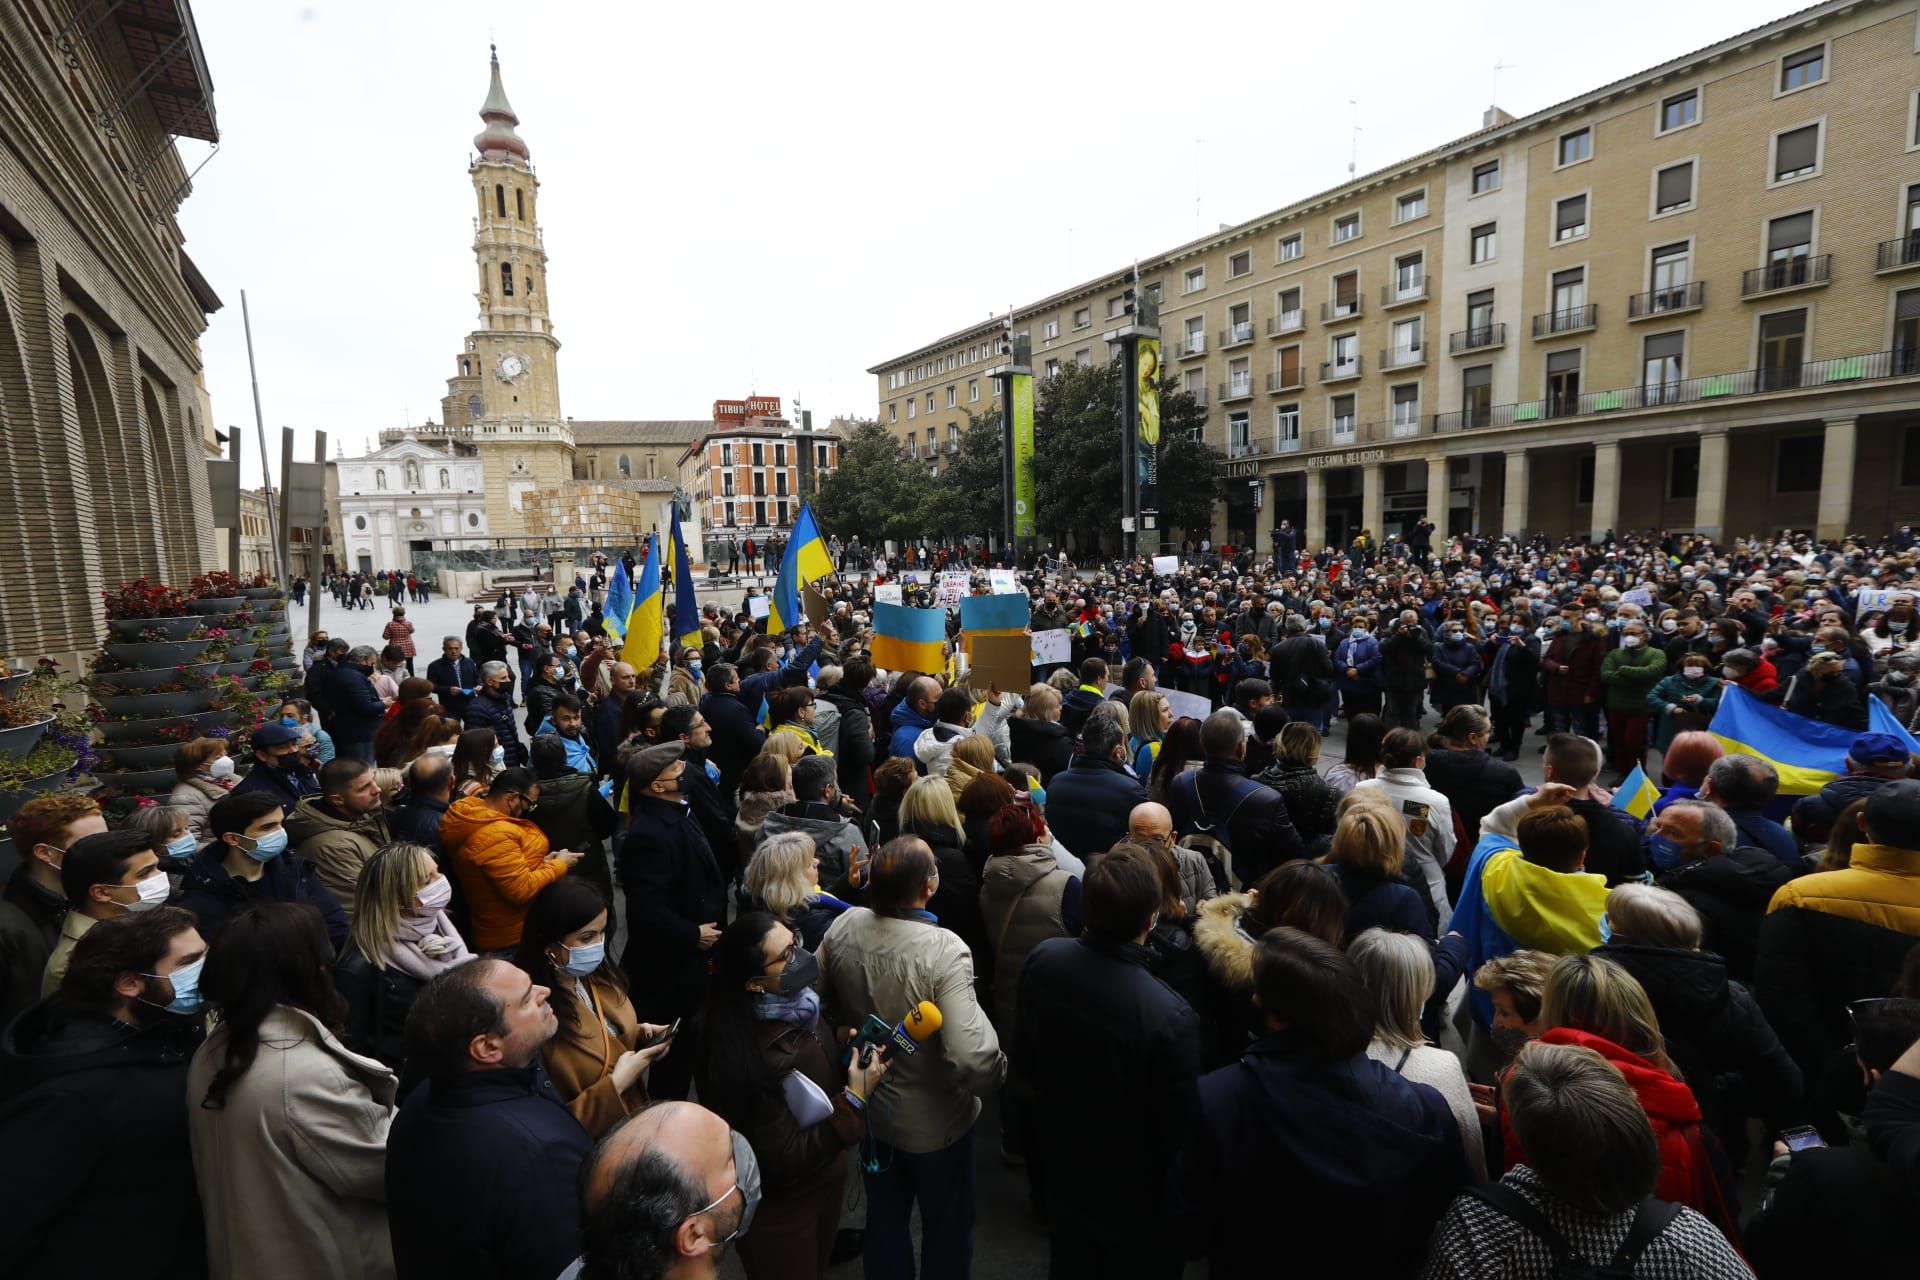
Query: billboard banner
{"points": [[1021, 405], [1147, 396]]}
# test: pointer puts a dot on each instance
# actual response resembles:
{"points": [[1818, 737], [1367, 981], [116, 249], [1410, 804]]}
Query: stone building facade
{"points": [[405, 493], [101, 312]]}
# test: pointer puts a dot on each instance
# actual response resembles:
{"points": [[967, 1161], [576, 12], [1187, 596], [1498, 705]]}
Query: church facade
{"points": [[404, 493]]}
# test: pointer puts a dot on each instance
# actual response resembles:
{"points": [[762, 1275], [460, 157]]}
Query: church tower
{"points": [[505, 397]]}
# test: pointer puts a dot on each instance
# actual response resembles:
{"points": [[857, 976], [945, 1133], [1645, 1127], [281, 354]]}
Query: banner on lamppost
{"points": [[1020, 405], [1147, 452]]}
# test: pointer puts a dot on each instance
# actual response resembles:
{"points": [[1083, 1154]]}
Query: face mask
{"points": [[1456, 635], [1669, 624], [186, 988], [1606, 927], [499, 756], [150, 893], [1324, 623], [221, 768], [1593, 617], [1563, 625], [1693, 673], [1508, 1040], [746, 1180], [802, 971], [582, 961], [1663, 853], [268, 847], [290, 722], [434, 896], [694, 669], [1515, 628], [1631, 642]]}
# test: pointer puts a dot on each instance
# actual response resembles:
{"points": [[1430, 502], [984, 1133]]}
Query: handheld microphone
{"points": [[905, 1037]]}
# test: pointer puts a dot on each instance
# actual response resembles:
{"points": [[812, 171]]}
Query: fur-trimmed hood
{"points": [[1227, 947]]}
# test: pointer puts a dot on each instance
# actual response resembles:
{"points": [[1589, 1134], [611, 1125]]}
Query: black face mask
{"points": [[802, 971]]}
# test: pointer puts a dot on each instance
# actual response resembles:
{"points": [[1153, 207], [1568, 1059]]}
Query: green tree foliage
{"points": [[865, 494]]}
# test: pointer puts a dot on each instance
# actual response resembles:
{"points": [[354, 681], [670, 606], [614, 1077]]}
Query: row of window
{"points": [[953, 395], [731, 514], [913, 441]]}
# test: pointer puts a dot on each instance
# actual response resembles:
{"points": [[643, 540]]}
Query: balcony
{"points": [[1485, 338], [1804, 272], [1406, 421], [1403, 357], [1403, 293], [1339, 371], [1287, 441], [1345, 433], [1193, 346], [1283, 380], [1898, 255], [1236, 389], [1672, 300], [1199, 395], [1285, 323], [1552, 324], [1243, 449], [1238, 335], [1331, 311]]}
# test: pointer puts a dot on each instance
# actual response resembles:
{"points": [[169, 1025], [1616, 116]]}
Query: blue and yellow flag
{"points": [[805, 561], [1807, 754], [1636, 795], [686, 610], [619, 600], [646, 625], [907, 639]]}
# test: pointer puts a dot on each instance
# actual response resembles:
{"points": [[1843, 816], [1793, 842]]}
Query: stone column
{"points": [[1710, 496], [1313, 535], [1373, 500], [1439, 493], [1836, 478], [1513, 515], [1606, 489]]}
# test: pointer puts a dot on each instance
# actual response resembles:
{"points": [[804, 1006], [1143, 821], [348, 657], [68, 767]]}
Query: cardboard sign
{"points": [[1002, 582], [1003, 662], [757, 606], [817, 606], [984, 614], [1639, 595], [1051, 646], [1872, 599], [1166, 565], [1187, 704], [887, 593], [953, 587]]}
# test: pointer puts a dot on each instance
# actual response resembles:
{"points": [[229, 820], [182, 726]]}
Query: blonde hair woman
{"points": [[401, 936], [972, 758], [927, 811], [784, 746], [1593, 995], [1367, 855], [1398, 971], [1035, 735], [784, 879], [766, 784], [1151, 715]]}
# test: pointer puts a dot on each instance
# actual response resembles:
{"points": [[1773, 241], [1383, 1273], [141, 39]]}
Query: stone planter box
{"points": [[262, 593], [146, 679], [19, 741], [112, 731], [182, 703], [217, 604], [242, 652], [171, 628], [283, 662], [138, 759], [146, 780], [10, 801], [241, 669], [150, 654], [11, 680]]}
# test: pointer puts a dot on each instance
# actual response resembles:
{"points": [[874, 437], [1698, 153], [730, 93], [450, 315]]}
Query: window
{"points": [[1346, 227], [929, 442], [1239, 264], [626, 466], [1286, 428], [1049, 331], [1479, 317], [1483, 242], [1410, 206], [913, 447], [953, 435], [1807, 67], [1406, 406], [499, 200], [1287, 304], [1576, 146], [1083, 316], [759, 484], [1240, 322], [1569, 296], [1153, 292], [910, 404], [1239, 377], [893, 413], [1341, 412], [519, 204], [929, 402], [953, 396], [1346, 354], [1906, 331], [1783, 342], [1796, 153], [1346, 294], [1409, 276], [1196, 383], [1563, 383], [1083, 357], [726, 484], [1486, 177], [359, 522], [506, 279], [1789, 244], [1196, 334], [1683, 471], [1570, 218], [1289, 364], [780, 485], [1660, 366], [1406, 341], [1291, 247], [1673, 187], [1476, 396], [1239, 434], [1194, 281], [759, 457], [973, 390], [760, 514], [1116, 306], [1671, 266], [1679, 111], [1797, 463], [1053, 368], [728, 509]]}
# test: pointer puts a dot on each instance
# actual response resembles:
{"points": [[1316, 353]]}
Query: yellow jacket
{"points": [[500, 863]]}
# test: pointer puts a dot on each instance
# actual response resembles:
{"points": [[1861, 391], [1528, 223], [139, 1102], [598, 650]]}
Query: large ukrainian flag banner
{"points": [[906, 639], [1808, 754]]}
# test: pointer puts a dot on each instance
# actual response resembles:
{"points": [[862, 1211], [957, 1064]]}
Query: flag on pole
{"points": [[619, 601], [686, 609], [1636, 794], [646, 624], [806, 561]]}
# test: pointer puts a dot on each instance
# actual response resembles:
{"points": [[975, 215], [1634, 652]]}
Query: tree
{"points": [[966, 499], [866, 493], [1190, 477]]}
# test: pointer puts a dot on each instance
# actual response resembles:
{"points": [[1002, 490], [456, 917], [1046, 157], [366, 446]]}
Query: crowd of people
{"points": [[537, 965], [358, 590]]}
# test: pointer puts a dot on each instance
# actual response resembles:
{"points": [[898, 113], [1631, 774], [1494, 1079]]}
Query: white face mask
{"points": [[1669, 624], [1631, 642], [1693, 673], [153, 892], [221, 768]]}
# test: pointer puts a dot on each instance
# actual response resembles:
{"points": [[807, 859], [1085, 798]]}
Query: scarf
{"points": [[800, 1009], [404, 952], [756, 805]]}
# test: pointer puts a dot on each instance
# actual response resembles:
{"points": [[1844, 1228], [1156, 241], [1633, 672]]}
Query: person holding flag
{"points": [[646, 622], [686, 609]]}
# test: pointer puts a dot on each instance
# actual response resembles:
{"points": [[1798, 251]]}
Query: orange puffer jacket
{"points": [[501, 863]]}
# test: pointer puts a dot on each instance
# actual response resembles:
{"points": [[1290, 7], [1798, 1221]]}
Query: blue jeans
{"points": [[942, 1184]]}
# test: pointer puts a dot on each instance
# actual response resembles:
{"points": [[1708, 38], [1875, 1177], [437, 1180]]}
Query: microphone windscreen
{"points": [[922, 1021]]}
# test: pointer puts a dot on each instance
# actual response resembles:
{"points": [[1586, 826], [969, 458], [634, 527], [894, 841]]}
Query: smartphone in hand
{"points": [[1803, 1138], [671, 1031]]}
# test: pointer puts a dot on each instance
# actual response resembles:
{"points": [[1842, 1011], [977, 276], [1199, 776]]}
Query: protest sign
{"points": [[1164, 565], [1051, 646], [887, 592], [1003, 583], [757, 606]]}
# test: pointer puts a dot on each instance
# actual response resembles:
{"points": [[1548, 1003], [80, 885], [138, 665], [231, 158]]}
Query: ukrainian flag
{"points": [[686, 609], [907, 639], [646, 625], [1636, 795], [1807, 754], [805, 561], [619, 601], [1507, 904]]}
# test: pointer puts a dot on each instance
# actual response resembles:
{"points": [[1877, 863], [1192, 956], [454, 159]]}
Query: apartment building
{"points": [[1688, 299], [751, 471]]}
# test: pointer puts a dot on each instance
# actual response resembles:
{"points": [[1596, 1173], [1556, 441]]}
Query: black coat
{"points": [[1731, 892], [483, 1178], [853, 756], [956, 903], [216, 897], [1083, 1003], [1256, 829], [603, 732], [100, 1176], [1613, 842], [1836, 702], [539, 697], [737, 739], [418, 821], [357, 709], [449, 678], [712, 809], [1044, 744], [377, 1004], [1088, 803], [1473, 782], [1303, 673], [493, 711], [673, 886], [1840, 1210], [1310, 801], [1520, 671], [1076, 707], [1403, 658], [319, 690], [288, 786]]}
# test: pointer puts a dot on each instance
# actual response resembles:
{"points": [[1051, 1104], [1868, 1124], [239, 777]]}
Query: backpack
{"points": [[1213, 840], [1649, 1220]]}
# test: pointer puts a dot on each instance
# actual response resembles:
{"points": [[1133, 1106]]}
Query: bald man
{"points": [[1152, 824], [665, 1192], [604, 717]]}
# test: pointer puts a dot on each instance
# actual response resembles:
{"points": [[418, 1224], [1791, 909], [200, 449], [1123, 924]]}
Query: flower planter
{"points": [[262, 593], [11, 800], [112, 731], [283, 662], [11, 680], [19, 741], [146, 678], [121, 759], [129, 629], [150, 654], [241, 652], [242, 669], [140, 780], [184, 702], [217, 604]]}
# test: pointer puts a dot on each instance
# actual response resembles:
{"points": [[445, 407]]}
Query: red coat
{"points": [[1763, 679], [1693, 1171], [1581, 683]]}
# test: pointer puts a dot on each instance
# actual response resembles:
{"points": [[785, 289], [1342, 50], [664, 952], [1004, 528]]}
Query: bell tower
{"points": [[505, 397]]}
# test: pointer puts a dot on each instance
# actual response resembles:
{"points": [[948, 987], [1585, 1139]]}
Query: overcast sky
{"points": [[750, 197]]}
